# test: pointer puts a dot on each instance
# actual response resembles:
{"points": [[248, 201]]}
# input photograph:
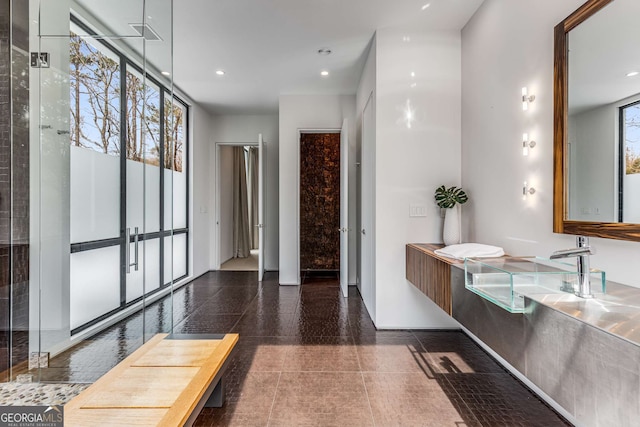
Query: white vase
{"points": [[451, 230]]}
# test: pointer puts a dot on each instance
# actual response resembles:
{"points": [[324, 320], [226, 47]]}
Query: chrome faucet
{"points": [[581, 252]]}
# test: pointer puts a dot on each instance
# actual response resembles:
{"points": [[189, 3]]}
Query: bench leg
{"points": [[216, 400]]}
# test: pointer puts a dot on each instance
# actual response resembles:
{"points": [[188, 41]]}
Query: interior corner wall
{"points": [[200, 182], [244, 128], [418, 148], [303, 112], [498, 59]]}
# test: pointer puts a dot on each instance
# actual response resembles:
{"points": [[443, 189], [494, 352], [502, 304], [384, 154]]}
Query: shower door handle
{"points": [[127, 240], [136, 239]]}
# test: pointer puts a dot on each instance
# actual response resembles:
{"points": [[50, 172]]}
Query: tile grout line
{"points": [[366, 392], [463, 402], [245, 310], [273, 403], [175, 325]]}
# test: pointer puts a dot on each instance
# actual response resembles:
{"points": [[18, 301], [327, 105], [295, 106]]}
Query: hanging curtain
{"points": [[253, 195], [241, 233]]}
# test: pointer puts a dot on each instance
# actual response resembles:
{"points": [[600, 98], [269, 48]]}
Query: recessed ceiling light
{"points": [[324, 73], [220, 72], [166, 73], [324, 51], [633, 73], [426, 6]]}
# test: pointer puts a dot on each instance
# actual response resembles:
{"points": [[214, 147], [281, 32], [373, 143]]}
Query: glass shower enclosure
{"points": [[95, 241]]}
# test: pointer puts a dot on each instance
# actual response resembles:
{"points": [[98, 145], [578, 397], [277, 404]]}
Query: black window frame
{"points": [[622, 164], [126, 62]]}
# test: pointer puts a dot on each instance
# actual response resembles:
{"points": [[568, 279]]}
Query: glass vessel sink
{"points": [[506, 281]]}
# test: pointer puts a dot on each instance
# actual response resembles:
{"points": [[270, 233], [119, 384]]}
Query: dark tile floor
{"points": [[308, 357]]}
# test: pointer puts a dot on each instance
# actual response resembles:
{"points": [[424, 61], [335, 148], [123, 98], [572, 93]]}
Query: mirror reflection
{"points": [[603, 143]]}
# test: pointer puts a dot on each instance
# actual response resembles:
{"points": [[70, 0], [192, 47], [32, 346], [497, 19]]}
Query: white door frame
{"points": [[218, 262], [300, 132]]}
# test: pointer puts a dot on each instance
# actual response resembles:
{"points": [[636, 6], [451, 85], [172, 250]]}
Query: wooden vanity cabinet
{"points": [[430, 272]]}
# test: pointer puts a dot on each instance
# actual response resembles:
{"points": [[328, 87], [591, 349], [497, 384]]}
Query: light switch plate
{"points": [[417, 211]]}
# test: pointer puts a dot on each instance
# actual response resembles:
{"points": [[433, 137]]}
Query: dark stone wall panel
{"points": [[14, 185], [320, 201]]}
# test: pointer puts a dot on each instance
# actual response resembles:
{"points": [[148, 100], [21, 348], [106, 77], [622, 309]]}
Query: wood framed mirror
{"points": [[597, 121]]}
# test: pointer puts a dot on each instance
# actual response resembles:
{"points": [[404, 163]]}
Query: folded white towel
{"points": [[470, 250]]}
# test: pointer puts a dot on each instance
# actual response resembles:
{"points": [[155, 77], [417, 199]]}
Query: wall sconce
{"points": [[527, 191], [526, 144], [526, 99]]}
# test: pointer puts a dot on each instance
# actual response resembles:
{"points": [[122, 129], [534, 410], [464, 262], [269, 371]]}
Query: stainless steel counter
{"points": [[616, 312], [583, 354]]}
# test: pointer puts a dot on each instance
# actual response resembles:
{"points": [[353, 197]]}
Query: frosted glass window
{"points": [[179, 256], [174, 160], [143, 201], [175, 257], [95, 195], [95, 284], [149, 258], [168, 259], [179, 200], [168, 199]]}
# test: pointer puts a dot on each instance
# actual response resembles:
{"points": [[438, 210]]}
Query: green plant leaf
{"points": [[447, 198]]}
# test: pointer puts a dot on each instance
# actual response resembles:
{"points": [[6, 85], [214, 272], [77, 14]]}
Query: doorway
{"points": [[240, 206], [319, 201]]}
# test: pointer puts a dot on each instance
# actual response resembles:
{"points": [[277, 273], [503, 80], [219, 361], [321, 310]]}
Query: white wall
{"points": [[225, 214], [303, 112], [365, 192], [412, 161], [243, 129], [499, 57], [593, 176], [199, 186]]}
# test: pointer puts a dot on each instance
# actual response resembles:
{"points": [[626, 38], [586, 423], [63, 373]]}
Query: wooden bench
{"points": [[166, 382]]}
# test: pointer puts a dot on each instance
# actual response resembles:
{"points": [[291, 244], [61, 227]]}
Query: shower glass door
{"points": [[100, 74]]}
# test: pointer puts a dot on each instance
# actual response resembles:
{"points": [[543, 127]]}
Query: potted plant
{"points": [[449, 199]]}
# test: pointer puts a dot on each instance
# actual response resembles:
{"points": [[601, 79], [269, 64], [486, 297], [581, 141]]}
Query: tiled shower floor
{"points": [[308, 357]]}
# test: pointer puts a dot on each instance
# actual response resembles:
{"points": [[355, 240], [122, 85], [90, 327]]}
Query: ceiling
{"points": [[268, 47], [602, 51]]}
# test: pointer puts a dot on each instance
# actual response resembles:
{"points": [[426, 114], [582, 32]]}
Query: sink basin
{"points": [[507, 281]]}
